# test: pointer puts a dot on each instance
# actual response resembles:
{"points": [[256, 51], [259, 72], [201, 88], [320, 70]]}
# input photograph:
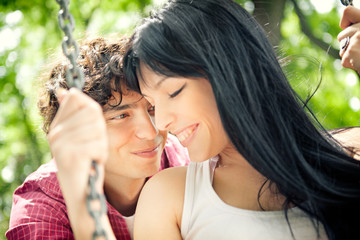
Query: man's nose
{"points": [[145, 128]]}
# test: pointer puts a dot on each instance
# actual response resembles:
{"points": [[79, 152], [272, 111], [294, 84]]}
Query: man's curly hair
{"points": [[101, 61]]}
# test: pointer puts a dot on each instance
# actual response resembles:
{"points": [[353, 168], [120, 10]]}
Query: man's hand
{"points": [[349, 38], [77, 136], [349, 138]]}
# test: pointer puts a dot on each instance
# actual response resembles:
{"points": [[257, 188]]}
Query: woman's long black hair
{"points": [[262, 115]]}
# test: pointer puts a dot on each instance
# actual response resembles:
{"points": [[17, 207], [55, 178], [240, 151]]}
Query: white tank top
{"points": [[205, 216], [130, 225]]}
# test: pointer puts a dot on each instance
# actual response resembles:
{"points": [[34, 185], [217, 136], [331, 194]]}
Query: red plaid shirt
{"points": [[39, 211]]}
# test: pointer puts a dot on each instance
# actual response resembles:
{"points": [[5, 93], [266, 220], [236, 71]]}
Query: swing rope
{"points": [[96, 202]]}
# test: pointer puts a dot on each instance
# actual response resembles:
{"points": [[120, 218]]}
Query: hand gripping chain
{"points": [[75, 78]]}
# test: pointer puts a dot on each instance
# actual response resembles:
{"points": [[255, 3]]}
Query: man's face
{"points": [[135, 145]]}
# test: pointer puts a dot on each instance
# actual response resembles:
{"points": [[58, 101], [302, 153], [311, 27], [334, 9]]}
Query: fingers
{"points": [[78, 131], [78, 135], [72, 102], [345, 37], [350, 16], [75, 160], [85, 118], [351, 57], [60, 94], [344, 43], [349, 31], [349, 38]]}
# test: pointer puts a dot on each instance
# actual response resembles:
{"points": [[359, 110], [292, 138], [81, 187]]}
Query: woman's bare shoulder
{"points": [[169, 176], [167, 185], [159, 210]]}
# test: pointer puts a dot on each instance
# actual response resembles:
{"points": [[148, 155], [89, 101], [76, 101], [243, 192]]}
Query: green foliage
{"points": [[32, 36], [335, 103]]}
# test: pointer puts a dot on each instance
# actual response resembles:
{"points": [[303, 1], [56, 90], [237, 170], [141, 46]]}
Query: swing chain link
{"points": [[75, 78], [92, 201], [347, 2]]}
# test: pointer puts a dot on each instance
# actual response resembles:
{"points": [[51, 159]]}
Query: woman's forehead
{"points": [[147, 77]]}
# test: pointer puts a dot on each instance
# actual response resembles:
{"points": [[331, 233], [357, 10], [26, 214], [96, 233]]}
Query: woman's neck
{"points": [[239, 184]]}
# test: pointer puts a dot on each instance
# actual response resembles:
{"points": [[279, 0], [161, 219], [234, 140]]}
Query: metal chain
{"points": [[92, 201], [347, 2], [96, 202], [74, 76]]}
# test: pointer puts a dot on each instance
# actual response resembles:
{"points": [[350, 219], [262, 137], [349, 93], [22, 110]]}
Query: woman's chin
{"points": [[196, 156]]}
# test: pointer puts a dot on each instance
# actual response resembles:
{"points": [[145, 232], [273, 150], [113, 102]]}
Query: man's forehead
{"points": [[129, 99]]}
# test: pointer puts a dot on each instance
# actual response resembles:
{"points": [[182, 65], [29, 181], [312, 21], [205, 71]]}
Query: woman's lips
{"points": [[186, 135], [148, 153]]}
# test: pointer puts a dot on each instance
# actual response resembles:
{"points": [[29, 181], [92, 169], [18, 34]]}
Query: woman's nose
{"points": [[163, 117]]}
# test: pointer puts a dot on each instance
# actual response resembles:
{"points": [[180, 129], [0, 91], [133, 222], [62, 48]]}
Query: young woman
{"points": [[263, 166]]}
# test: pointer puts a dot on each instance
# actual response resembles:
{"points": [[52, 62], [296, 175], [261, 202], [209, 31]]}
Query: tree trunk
{"points": [[269, 14]]}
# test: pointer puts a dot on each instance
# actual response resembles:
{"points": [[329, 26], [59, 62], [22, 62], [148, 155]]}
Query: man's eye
{"points": [[120, 116], [151, 110]]}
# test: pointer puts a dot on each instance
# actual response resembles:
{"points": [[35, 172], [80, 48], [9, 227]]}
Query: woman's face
{"points": [[186, 107]]}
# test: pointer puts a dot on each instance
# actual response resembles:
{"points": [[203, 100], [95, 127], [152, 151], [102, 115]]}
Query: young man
{"points": [[76, 130]]}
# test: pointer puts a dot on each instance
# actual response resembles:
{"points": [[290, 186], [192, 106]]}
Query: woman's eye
{"points": [[174, 94]]}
